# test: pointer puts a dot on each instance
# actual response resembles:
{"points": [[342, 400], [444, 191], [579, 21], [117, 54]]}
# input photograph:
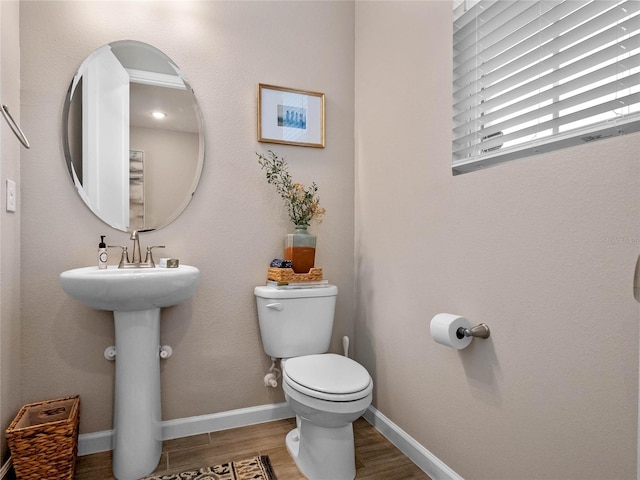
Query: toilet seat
{"points": [[327, 377]]}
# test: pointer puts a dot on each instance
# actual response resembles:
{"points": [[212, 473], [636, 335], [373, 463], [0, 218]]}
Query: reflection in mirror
{"points": [[133, 136]]}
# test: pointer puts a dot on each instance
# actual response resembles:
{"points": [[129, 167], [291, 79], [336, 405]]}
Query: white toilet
{"points": [[326, 391]]}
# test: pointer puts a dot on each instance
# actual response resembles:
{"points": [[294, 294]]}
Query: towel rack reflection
{"points": [[14, 127]]}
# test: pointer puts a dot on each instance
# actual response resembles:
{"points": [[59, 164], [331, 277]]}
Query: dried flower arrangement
{"points": [[302, 202]]}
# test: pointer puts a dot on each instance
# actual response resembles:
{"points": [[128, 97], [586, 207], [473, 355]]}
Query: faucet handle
{"points": [[124, 259], [148, 260]]}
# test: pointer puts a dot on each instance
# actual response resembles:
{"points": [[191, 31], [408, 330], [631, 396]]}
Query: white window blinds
{"points": [[535, 76]]}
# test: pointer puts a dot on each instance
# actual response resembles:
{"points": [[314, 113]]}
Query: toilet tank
{"points": [[295, 322]]}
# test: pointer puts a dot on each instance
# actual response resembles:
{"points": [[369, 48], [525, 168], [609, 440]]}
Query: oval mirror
{"points": [[133, 136]]}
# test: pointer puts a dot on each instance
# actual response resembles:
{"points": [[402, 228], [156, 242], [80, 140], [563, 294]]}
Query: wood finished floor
{"points": [[376, 457]]}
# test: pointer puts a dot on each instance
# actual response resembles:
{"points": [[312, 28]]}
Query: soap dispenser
{"points": [[103, 257]]}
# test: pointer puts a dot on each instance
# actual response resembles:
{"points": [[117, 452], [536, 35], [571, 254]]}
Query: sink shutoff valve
{"points": [[165, 351], [110, 353], [271, 378]]}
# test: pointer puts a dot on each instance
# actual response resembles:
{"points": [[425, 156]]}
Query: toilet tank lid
{"points": [[268, 291]]}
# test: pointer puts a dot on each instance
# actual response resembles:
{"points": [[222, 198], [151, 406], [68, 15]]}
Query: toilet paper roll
{"points": [[444, 328]]}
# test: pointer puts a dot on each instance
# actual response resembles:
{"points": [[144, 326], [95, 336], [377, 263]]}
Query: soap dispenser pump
{"points": [[103, 256]]}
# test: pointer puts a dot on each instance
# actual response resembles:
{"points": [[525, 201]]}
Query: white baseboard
{"points": [[184, 427], [89, 443], [423, 458]]}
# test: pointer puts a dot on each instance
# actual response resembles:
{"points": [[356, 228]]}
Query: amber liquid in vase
{"points": [[302, 258]]}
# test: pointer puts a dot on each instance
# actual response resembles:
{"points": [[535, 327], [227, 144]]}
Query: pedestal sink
{"points": [[135, 295]]}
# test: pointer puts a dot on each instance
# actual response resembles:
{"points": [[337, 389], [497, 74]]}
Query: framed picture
{"points": [[291, 117]]}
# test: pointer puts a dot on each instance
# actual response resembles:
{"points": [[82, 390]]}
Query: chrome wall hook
{"points": [[480, 331], [14, 127]]}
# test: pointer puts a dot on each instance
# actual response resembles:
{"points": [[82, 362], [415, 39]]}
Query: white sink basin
{"points": [[130, 289]]}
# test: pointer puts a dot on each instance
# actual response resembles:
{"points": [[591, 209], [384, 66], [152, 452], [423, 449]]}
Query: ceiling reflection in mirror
{"points": [[133, 136]]}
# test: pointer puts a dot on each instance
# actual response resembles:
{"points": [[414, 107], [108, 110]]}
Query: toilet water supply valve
{"points": [[271, 378], [110, 352]]}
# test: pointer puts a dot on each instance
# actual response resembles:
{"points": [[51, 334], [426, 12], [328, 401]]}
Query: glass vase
{"points": [[300, 248]]}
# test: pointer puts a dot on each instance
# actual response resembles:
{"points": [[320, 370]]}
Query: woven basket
{"points": [[286, 275], [43, 439]]}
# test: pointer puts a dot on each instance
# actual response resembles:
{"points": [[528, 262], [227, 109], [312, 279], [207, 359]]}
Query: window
{"points": [[534, 76]]}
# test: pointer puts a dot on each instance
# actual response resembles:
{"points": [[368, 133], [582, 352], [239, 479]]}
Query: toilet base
{"points": [[323, 453]]}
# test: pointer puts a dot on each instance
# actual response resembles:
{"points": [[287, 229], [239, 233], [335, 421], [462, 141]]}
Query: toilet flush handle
{"points": [[275, 306]]}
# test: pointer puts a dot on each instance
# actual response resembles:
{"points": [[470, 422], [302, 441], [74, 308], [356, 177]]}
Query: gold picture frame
{"points": [[290, 117]]}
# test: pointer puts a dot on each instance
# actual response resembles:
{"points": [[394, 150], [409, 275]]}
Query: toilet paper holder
{"points": [[480, 331]]}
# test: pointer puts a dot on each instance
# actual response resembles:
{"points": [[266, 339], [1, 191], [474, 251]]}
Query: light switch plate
{"points": [[11, 196]]}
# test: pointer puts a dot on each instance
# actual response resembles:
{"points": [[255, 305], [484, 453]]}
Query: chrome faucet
{"points": [[136, 261]]}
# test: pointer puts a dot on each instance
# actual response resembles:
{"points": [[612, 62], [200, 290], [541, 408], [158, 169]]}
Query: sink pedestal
{"points": [[137, 414], [135, 296]]}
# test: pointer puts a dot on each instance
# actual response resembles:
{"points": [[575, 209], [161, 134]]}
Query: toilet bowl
{"points": [[327, 392]]}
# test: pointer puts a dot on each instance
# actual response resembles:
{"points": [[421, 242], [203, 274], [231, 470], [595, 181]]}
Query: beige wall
{"points": [[235, 224], [9, 222], [543, 250]]}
